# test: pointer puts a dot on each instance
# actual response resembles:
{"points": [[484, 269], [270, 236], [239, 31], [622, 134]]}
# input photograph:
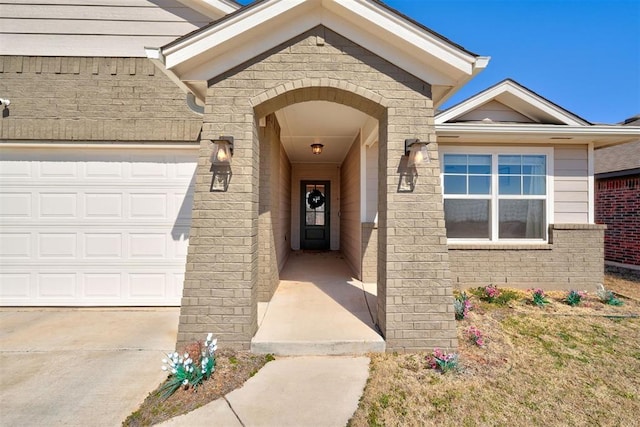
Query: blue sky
{"points": [[584, 55]]}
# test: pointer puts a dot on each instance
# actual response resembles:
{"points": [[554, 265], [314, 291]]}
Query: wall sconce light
{"points": [[417, 152], [222, 150], [316, 148]]}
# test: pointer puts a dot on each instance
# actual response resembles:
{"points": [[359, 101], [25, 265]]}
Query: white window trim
{"points": [[494, 151]]}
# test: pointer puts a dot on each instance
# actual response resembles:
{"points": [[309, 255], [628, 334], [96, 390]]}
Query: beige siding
{"points": [[321, 172], [350, 229], [93, 28], [571, 185], [496, 112]]}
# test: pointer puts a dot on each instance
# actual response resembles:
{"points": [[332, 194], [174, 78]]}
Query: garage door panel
{"points": [[15, 205], [57, 245], [148, 205], [52, 286], [103, 245], [15, 245], [15, 286], [103, 286], [57, 204], [103, 205], [147, 245], [94, 226]]}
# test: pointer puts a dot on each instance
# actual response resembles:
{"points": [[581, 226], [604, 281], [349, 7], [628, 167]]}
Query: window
{"points": [[495, 196]]}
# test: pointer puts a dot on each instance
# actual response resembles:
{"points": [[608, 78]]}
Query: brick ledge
{"points": [[579, 226]]}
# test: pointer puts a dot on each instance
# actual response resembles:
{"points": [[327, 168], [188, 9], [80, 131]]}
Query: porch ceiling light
{"points": [[316, 148], [417, 152], [222, 150]]}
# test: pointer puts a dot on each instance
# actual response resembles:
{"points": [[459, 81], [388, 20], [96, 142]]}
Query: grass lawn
{"points": [[555, 365]]}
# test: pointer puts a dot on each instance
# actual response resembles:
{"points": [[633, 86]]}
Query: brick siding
{"points": [[573, 259], [618, 206], [92, 99]]}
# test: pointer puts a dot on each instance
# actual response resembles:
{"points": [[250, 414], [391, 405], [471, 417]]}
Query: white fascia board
{"points": [[211, 38], [508, 87], [243, 48], [557, 134], [419, 66], [381, 20], [214, 9]]}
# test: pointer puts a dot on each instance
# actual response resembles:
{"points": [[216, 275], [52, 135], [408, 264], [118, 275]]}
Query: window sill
{"points": [[501, 246]]}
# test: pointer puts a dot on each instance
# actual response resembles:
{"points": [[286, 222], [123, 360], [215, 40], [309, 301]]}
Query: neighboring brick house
{"points": [[112, 193], [617, 174]]}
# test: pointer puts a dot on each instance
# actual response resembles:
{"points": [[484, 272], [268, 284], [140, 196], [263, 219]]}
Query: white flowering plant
{"points": [[186, 372]]}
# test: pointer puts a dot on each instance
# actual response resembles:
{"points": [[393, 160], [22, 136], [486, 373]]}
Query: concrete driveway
{"points": [[80, 367]]}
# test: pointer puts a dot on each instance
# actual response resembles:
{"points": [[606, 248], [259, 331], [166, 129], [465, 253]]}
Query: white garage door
{"points": [[94, 227]]}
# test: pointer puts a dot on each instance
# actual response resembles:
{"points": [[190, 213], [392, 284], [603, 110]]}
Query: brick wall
{"points": [[415, 303], [92, 99], [618, 206], [574, 259], [369, 252], [350, 228]]}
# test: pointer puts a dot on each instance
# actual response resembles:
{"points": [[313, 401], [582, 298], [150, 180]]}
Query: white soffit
{"points": [[518, 98], [501, 133], [239, 37], [333, 125]]}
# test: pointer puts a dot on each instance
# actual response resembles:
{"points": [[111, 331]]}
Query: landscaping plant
{"points": [[475, 336], [607, 297], [185, 372], [539, 298], [445, 362], [574, 297], [491, 292], [461, 305]]}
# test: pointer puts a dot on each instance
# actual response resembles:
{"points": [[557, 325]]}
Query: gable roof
{"points": [[262, 25], [531, 107]]}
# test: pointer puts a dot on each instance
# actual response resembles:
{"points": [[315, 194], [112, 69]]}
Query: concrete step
{"points": [[318, 348]]}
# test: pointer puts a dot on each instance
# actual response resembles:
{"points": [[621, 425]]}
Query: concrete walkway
{"points": [[80, 367], [318, 309], [290, 391]]}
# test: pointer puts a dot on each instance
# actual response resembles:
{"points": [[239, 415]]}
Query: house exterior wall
{"points": [[574, 259], [92, 99], [415, 303], [270, 238], [350, 229], [618, 206], [283, 231], [369, 251], [571, 185], [96, 28]]}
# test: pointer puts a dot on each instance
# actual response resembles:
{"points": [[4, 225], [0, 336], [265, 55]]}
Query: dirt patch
{"points": [[233, 369]]}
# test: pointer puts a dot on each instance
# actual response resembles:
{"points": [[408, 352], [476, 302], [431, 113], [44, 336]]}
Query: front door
{"points": [[314, 197]]}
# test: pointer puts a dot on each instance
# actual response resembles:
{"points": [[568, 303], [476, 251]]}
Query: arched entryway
{"points": [[320, 303], [222, 284]]}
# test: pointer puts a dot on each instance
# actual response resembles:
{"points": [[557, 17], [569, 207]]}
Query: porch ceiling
{"points": [[333, 125]]}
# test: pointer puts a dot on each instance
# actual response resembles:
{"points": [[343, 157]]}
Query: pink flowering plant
{"points": [[461, 305], [574, 298], [539, 297], [445, 362], [186, 372], [491, 292], [475, 336]]}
